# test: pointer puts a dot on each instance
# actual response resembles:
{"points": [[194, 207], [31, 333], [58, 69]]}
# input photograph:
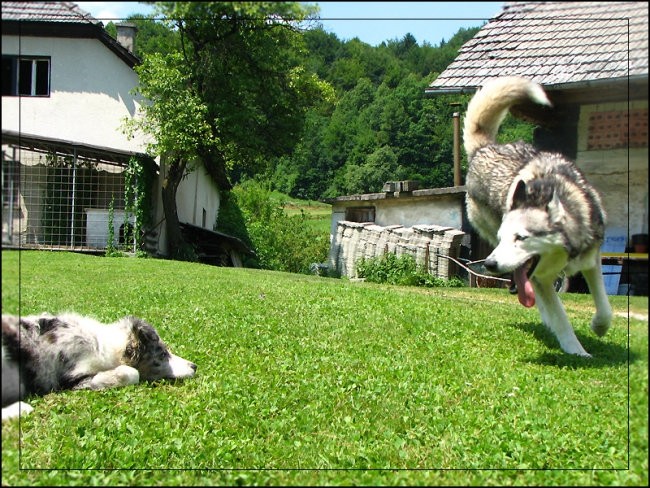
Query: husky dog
{"points": [[45, 353], [536, 208]]}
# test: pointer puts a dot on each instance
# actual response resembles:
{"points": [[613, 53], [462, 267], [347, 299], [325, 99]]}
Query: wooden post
{"points": [[456, 117]]}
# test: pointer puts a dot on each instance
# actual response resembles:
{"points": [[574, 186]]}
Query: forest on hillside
{"points": [[379, 125], [381, 128]]}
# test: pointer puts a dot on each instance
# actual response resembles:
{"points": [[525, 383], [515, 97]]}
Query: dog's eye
{"points": [[519, 237]]}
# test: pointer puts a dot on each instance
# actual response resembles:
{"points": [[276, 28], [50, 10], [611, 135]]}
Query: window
{"points": [[360, 214], [25, 76]]}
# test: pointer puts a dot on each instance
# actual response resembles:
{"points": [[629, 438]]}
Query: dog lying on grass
{"points": [[45, 353]]}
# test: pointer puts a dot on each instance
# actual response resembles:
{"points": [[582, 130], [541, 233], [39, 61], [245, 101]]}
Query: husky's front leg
{"points": [[555, 318], [603, 317]]}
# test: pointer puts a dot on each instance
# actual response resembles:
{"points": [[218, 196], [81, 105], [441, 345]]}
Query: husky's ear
{"points": [[518, 198], [556, 211]]}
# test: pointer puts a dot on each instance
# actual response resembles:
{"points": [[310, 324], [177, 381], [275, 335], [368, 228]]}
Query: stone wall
{"points": [[428, 244]]}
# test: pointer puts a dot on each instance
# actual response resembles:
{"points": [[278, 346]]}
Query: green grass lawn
{"points": [[305, 380]]}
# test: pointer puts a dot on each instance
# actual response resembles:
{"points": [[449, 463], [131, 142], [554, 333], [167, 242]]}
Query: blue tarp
{"points": [[615, 240]]}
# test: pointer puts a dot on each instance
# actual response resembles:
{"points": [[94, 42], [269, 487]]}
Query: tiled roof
{"points": [[47, 12], [554, 43]]}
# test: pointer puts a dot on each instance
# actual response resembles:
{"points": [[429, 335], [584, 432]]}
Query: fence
{"points": [[62, 201]]}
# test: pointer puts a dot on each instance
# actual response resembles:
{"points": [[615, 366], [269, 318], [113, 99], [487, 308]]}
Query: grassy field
{"points": [[305, 380], [318, 214]]}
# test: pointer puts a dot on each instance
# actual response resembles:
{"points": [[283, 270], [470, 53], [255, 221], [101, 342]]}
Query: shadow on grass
{"points": [[603, 354]]}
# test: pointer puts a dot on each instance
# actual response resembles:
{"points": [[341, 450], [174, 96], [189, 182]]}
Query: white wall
{"points": [[444, 211], [89, 93], [196, 192], [620, 175]]}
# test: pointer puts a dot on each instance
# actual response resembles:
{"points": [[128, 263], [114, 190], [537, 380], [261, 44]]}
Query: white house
{"points": [[66, 90]]}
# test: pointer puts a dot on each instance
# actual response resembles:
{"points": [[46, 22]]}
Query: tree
{"points": [[370, 176], [235, 95], [153, 36], [176, 118]]}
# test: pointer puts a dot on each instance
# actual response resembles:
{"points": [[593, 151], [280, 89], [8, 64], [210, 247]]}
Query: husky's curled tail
{"points": [[535, 207], [490, 105]]}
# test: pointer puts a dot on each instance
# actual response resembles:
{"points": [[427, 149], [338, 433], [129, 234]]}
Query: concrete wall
{"points": [[444, 210], [429, 245], [438, 206]]}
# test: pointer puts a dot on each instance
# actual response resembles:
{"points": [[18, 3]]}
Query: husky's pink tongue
{"points": [[524, 287]]}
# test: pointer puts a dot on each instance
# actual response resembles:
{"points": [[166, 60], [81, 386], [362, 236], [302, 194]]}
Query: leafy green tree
{"points": [[370, 176], [176, 117], [235, 95], [153, 36], [381, 109], [111, 29]]}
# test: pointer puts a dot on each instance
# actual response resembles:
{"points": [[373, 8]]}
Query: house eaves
{"points": [[100, 154], [561, 45], [59, 19]]}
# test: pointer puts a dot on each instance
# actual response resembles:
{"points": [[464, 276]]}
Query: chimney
{"points": [[126, 35]]}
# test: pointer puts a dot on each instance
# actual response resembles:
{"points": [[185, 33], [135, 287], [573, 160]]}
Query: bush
{"points": [[281, 242], [400, 270]]}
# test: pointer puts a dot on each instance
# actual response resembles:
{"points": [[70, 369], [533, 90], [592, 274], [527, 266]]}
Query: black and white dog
{"points": [[45, 353]]}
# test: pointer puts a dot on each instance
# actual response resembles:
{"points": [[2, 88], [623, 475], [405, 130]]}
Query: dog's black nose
{"points": [[193, 366]]}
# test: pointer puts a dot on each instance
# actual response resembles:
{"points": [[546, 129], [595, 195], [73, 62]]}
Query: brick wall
{"points": [[610, 129]]}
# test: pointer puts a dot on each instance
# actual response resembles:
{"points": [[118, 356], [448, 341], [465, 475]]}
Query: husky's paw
{"points": [[575, 348], [583, 354], [601, 322], [600, 326]]}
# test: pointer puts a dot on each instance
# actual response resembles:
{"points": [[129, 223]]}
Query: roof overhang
{"points": [[588, 91], [99, 154], [211, 241]]}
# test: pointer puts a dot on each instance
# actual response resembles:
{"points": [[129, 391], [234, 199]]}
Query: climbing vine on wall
{"points": [[138, 185]]}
